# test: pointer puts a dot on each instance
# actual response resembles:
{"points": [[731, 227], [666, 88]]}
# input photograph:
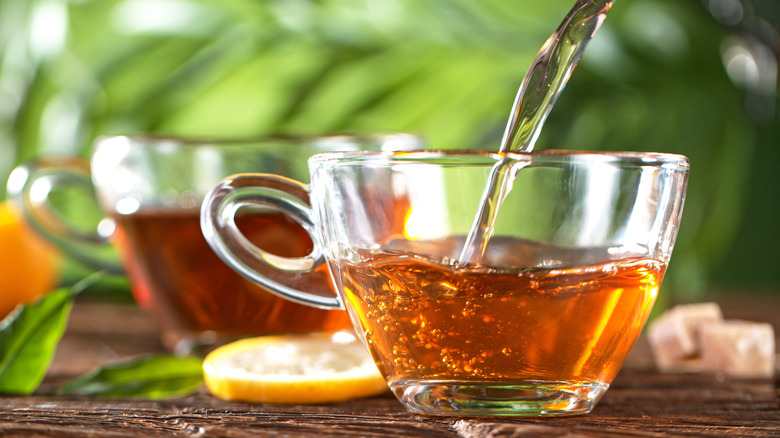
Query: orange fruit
{"points": [[28, 265], [293, 369]]}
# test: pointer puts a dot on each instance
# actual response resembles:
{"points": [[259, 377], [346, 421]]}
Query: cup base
{"points": [[524, 399], [183, 343]]}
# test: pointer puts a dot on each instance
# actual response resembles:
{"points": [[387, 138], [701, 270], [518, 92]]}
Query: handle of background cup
{"points": [[284, 276], [29, 186]]}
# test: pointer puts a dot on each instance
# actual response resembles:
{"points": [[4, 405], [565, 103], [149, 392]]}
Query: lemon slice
{"points": [[293, 369]]}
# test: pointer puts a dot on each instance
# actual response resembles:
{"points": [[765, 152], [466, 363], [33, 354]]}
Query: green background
{"points": [[684, 76]]}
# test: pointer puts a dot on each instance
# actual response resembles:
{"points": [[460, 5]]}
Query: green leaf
{"points": [[29, 337], [153, 377], [28, 340]]}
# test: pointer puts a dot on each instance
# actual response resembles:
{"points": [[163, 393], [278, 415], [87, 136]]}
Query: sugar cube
{"points": [[738, 348], [674, 336]]}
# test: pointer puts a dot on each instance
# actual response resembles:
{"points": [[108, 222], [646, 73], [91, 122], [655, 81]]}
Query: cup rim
{"points": [[453, 156]]}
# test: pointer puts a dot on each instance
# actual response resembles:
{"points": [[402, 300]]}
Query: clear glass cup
{"points": [[151, 190], [540, 324]]}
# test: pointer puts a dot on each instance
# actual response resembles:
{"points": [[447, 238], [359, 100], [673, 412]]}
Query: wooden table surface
{"points": [[640, 403]]}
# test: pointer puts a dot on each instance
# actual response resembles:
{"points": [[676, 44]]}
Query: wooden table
{"points": [[640, 403]]}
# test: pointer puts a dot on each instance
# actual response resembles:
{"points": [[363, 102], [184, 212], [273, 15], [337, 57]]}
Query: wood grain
{"points": [[640, 403]]}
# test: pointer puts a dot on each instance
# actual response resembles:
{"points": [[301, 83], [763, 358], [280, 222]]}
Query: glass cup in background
{"points": [[151, 190], [540, 325]]}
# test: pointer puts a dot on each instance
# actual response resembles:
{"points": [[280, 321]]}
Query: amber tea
{"points": [[178, 278], [429, 322]]}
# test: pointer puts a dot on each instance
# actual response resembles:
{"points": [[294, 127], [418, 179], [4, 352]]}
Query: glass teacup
{"points": [[540, 325], [151, 190]]}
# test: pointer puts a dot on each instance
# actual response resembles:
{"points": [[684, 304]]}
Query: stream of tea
{"points": [[544, 82]]}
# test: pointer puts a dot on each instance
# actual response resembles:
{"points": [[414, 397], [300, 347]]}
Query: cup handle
{"points": [[289, 277], [29, 186]]}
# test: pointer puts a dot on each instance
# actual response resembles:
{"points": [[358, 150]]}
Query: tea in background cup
{"points": [[540, 325], [151, 189]]}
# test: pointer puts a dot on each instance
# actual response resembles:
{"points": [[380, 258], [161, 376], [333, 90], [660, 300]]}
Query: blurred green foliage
{"points": [[661, 75]]}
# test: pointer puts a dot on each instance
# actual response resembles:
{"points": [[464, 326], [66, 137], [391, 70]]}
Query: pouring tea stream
{"points": [[543, 83]]}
